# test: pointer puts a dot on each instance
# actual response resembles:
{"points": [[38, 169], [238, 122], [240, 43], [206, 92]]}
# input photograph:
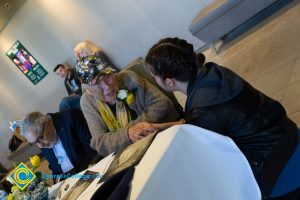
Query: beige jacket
{"points": [[150, 104]]}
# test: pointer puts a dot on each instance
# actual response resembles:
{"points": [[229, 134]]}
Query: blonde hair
{"points": [[86, 45]]}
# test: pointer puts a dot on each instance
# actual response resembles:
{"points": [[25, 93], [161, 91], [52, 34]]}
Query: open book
{"points": [[83, 182], [129, 156]]}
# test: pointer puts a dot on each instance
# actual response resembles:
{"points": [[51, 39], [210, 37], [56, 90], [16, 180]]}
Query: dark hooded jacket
{"points": [[220, 101], [72, 83]]}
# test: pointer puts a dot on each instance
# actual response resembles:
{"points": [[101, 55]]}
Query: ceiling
{"points": [[7, 10]]}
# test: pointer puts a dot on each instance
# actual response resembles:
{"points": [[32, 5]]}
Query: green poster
{"points": [[26, 63]]}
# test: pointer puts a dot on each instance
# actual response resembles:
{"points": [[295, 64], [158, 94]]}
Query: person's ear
{"points": [[170, 83]]}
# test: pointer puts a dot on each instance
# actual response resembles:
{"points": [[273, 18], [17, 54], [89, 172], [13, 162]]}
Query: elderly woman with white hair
{"points": [[86, 48]]}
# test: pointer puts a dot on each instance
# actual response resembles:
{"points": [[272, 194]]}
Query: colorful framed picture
{"points": [[26, 63]]}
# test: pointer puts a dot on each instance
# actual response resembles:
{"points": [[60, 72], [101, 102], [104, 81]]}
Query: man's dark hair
{"points": [[58, 66]]}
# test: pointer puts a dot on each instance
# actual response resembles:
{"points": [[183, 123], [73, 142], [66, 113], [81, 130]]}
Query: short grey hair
{"points": [[33, 119]]}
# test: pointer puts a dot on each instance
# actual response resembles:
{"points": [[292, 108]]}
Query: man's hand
{"points": [[140, 130], [163, 126]]}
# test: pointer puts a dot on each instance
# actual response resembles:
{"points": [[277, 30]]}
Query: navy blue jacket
{"points": [[71, 128]]}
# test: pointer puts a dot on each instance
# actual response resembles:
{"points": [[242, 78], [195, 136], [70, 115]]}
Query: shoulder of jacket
{"points": [[129, 78], [87, 99], [126, 73]]}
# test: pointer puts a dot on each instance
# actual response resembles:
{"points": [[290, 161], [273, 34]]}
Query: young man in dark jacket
{"points": [[73, 86]]}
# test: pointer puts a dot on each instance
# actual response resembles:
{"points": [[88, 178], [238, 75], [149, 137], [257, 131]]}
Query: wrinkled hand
{"points": [[140, 130]]}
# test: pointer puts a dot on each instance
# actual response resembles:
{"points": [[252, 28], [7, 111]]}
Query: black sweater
{"points": [[220, 101]]}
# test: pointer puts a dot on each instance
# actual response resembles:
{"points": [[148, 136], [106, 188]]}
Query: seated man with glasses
{"points": [[63, 137], [116, 105]]}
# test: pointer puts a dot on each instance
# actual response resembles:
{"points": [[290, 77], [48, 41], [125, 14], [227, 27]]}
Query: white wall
{"points": [[49, 29]]}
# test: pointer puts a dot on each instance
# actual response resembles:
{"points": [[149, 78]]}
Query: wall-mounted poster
{"points": [[32, 69]]}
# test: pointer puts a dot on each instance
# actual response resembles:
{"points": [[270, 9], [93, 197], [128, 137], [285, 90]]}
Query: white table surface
{"points": [[185, 162], [188, 162]]}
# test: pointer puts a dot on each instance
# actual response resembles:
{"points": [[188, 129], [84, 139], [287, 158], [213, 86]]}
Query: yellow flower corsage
{"points": [[130, 98], [126, 95]]}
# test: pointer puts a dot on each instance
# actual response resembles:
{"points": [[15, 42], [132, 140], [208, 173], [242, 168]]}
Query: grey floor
{"points": [[268, 56]]}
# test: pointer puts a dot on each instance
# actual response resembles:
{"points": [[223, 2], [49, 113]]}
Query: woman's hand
{"points": [[142, 129], [163, 126]]}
